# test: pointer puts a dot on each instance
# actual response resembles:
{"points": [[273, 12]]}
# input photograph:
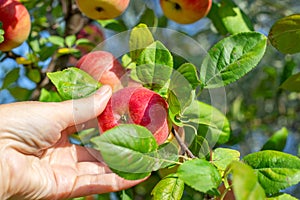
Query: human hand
{"points": [[37, 159]]}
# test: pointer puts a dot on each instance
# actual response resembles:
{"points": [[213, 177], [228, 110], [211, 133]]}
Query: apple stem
{"points": [[182, 145]]}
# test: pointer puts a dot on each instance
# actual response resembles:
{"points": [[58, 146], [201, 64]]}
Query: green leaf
{"points": [[126, 61], [245, 183], [277, 141], [214, 16], [189, 72], [34, 75], [149, 18], [70, 40], [1, 33], [49, 96], [126, 195], [56, 40], [292, 83], [11, 77], [174, 110], [131, 175], [208, 120], [154, 66], [35, 45], [140, 38], [285, 34], [282, 197], [231, 58], [181, 92], [276, 170], [46, 52], [83, 137], [199, 146], [56, 11], [130, 149], [84, 41], [233, 18], [223, 157], [21, 94], [129, 64], [169, 188], [168, 154], [200, 175], [227, 17], [287, 70], [113, 24], [73, 83]]}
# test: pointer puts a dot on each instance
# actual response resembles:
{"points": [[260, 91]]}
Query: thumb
{"points": [[81, 110]]}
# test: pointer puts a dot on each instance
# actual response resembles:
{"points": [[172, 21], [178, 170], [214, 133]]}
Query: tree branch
{"points": [[182, 145], [74, 21]]}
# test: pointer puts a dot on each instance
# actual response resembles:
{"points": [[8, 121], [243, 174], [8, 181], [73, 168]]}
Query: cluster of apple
{"points": [[131, 102], [180, 11], [16, 24]]}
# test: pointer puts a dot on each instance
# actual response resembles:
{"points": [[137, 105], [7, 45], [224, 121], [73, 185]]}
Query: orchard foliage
{"points": [[226, 78]]}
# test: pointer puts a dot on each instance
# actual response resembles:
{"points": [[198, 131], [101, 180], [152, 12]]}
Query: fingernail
{"points": [[104, 89]]}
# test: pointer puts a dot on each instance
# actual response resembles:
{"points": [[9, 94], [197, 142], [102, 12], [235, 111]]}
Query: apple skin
{"points": [[185, 11], [102, 9], [103, 67], [15, 22], [137, 105]]}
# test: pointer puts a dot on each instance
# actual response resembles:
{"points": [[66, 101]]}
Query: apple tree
{"points": [[226, 73]]}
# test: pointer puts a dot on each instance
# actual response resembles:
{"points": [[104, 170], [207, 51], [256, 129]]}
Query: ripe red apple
{"points": [[185, 11], [103, 67], [137, 105], [102, 9], [15, 22]]}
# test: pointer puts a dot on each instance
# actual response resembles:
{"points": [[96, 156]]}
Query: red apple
{"points": [[15, 22], [137, 105], [185, 11], [103, 67], [102, 9]]}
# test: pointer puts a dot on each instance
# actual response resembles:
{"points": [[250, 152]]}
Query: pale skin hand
{"points": [[37, 161]]}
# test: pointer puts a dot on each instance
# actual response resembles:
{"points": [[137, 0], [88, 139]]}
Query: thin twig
{"points": [[74, 21], [183, 146]]}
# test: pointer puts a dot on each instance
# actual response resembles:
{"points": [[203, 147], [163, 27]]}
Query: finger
{"points": [[81, 110], [103, 183], [92, 168], [85, 154], [79, 127]]}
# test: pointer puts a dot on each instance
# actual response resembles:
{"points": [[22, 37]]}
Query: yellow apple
{"points": [[15, 23], [102, 9], [185, 11]]}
